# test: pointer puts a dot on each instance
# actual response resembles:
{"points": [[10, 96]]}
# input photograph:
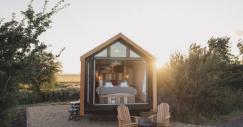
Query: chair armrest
{"points": [[168, 116], [136, 118], [152, 117], [131, 125]]}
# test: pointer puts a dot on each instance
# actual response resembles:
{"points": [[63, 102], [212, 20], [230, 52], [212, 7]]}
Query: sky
{"points": [[162, 27]]}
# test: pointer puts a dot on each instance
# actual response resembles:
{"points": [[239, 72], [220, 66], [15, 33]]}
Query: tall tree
{"points": [[21, 50], [202, 84], [221, 48]]}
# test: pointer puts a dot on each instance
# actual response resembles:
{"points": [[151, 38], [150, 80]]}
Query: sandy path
{"points": [[57, 116]]}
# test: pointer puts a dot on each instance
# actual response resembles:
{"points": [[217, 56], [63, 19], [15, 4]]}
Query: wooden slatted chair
{"points": [[162, 118], [124, 118]]}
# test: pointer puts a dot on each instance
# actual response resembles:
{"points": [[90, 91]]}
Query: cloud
{"points": [[239, 33]]}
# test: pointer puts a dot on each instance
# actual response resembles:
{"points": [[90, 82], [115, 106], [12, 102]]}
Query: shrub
{"points": [[200, 86], [49, 96]]}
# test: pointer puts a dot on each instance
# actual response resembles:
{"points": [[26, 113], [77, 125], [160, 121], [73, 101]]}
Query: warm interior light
{"points": [[126, 76], [100, 78]]}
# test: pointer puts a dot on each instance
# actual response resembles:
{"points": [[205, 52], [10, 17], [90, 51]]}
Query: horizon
{"points": [[160, 27]]}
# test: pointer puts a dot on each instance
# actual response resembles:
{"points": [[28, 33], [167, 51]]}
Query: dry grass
{"points": [[68, 78]]}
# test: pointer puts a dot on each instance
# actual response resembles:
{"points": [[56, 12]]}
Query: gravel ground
{"points": [[235, 122], [57, 116]]}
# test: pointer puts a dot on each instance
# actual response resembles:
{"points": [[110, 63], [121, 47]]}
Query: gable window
{"points": [[102, 53], [133, 54], [118, 50]]}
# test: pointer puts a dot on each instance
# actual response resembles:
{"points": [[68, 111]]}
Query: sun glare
{"points": [[159, 63]]}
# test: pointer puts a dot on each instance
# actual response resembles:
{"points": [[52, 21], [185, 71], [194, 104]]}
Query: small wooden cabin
{"points": [[117, 71]]}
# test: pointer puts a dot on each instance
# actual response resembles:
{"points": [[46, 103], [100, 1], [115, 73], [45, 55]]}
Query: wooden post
{"points": [[154, 88], [82, 83]]}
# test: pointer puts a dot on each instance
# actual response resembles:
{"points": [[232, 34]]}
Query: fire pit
{"points": [[145, 122]]}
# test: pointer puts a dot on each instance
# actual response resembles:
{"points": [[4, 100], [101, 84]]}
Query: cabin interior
{"points": [[120, 76], [121, 81]]}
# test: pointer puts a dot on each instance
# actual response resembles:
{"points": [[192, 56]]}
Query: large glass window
{"points": [[118, 50], [120, 82]]}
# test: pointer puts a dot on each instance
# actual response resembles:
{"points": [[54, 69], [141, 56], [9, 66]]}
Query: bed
{"points": [[116, 94]]}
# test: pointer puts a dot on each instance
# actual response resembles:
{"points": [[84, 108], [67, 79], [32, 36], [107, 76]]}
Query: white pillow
{"points": [[108, 84], [124, 84]]}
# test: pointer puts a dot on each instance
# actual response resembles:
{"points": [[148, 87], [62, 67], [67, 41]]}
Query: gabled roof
{"points": [[112, 40]]}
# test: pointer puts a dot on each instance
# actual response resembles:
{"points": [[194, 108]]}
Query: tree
{"points": [[40, 70], [221, 48], [202, 84], [23, 57]]}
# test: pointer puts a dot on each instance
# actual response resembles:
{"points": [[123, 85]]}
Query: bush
{"points": [[8, 116], [49, 96]]}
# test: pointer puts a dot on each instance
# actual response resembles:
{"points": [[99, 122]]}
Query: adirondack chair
{"points": [[162, 118], [124, 118]]}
